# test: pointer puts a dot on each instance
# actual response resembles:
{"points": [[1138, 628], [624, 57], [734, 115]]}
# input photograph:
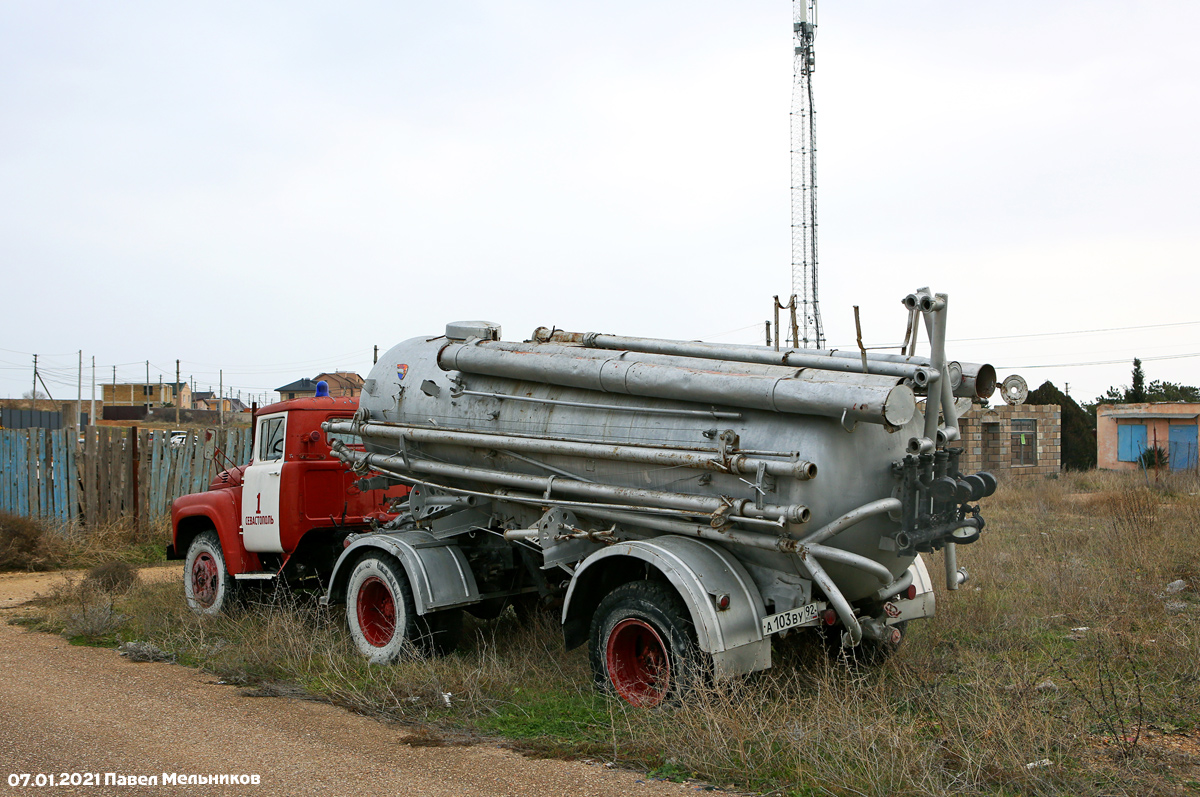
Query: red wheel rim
{"points": [[205, 577], [376, 612], [637, 662]]}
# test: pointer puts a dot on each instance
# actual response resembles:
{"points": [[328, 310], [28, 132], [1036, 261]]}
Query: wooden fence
{"points": [[109, 472]]}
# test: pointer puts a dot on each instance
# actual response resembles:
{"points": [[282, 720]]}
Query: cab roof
{"points": [[311, 403]]}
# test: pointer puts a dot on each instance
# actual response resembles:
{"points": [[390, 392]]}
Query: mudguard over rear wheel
{"points": [[643, 644]]}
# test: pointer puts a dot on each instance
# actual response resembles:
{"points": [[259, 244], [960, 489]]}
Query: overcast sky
{"points": [[274, 188]]}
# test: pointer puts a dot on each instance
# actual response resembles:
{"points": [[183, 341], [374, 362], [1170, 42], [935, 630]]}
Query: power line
{"points": [[1036, 335], [730, 331], [30, 353], [1102, 362], [1078, 332]]}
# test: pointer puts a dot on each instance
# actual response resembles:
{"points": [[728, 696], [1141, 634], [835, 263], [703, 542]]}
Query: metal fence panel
{"points": [[30, 419]]}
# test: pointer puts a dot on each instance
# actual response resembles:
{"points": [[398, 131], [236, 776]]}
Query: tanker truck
{"points": [[679, 503]]}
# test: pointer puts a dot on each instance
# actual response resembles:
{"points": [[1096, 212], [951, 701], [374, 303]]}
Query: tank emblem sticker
{"points": [[401, 371]]}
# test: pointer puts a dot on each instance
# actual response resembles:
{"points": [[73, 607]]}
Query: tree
{"points": [[1170, 391], [1137, 393], [1078, 431], [34, 397]]}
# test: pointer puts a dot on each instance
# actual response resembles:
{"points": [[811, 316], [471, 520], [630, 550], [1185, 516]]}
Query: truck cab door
{"points": [[260, 487]]}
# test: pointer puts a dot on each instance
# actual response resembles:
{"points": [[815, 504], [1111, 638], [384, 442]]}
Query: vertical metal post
{"points": [[33, 390], [951, 557], [1154, 456], [221, 399], [937, 361], [92, 411], [376, 354], [79, 396], [135, 474], [938, 395], [858, 331], [795, 325], [178, 392], [776, 323], [146, 388], [914, 322]]}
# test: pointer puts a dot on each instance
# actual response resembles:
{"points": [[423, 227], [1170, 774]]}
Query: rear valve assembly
{"points": [[936, 501]]}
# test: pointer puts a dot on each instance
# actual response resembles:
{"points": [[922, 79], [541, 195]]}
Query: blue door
{"points": [[1182, 446], [1131, 441]]}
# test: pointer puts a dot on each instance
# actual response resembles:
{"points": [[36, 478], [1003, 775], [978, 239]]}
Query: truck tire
{"points": [[380, 609], [440, 631], [207, 586], [643, 644], [532, 611]]}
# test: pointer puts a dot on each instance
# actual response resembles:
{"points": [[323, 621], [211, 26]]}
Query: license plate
{"points": [[792, 618]]}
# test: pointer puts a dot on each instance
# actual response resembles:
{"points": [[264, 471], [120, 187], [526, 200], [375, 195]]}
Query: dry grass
{"points": [[1001, 693], [30, 544], [85, 609]]}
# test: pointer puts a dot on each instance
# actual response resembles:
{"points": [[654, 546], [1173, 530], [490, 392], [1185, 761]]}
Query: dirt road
{"points": [[66, 709]]}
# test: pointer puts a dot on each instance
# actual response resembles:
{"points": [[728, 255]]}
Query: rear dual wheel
{"points": [[643, 644], [382, 614]]}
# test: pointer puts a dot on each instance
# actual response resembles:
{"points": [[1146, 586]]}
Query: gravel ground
{"points": [[75, 709]]}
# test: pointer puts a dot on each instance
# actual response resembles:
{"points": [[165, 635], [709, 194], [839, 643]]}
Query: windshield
{"points": [[270, 436]]}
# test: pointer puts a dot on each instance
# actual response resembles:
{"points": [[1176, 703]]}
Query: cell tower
{"points": [[804, 174]]}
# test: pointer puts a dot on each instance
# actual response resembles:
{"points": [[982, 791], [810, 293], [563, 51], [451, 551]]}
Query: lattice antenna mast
{"points": [[804, 174]]}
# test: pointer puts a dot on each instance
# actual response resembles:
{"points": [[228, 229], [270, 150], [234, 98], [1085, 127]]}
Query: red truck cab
{"points": [[287, 512]]}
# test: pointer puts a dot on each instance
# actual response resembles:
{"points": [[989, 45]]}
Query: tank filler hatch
{"points": [[465, 330]]}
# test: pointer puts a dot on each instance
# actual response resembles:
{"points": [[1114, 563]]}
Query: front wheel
{"points": [[643, 643], [207, 585]]}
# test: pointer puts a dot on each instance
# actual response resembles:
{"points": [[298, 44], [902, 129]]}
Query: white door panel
{"points": [[260, 487]]}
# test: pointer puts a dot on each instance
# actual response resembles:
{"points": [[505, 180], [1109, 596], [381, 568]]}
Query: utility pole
{"points": [[178, 392], [146, 389], [376, 354], [79, 396], [92, 411], [221, 399], [33, 391], [115, 386]]}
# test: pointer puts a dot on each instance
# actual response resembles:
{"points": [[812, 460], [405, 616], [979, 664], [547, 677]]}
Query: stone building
{"points": [[342, 383], [146, 394], [1020, 440]]}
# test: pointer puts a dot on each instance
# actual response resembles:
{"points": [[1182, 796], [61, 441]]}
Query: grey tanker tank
{"points": [[822, 481]]}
